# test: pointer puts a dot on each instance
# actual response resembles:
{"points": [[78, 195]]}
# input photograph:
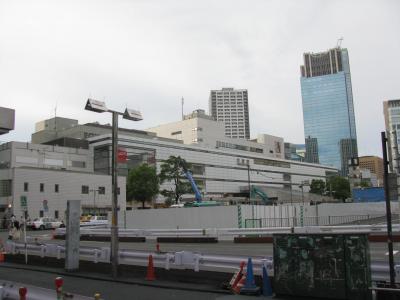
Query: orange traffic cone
{"points": [[150, 270], [239, 285]]}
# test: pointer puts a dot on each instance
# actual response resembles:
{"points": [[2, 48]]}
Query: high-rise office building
{"points": [[391, 111], [373, 164], [231, 107], [328, 111]]}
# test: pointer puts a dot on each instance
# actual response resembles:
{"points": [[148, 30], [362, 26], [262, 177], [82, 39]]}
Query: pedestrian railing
{"points": [[308, 221]]}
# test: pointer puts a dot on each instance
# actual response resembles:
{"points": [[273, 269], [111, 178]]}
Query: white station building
{"points": [[217, 171], [44, 177]]}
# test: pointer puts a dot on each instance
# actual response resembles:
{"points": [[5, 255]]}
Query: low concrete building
{"points": [[45, 177]]}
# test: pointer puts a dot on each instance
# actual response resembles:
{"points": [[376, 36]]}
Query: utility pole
{"points": [[94, 199], [302, 193], [183, 102], [291, 191], [388, 210], [248, 179]]}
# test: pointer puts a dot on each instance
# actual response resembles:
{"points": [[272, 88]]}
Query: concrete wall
{"points": [[227, 216], [341, 209], [182, 218]]}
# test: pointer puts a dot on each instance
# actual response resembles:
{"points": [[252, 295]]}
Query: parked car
{"points": [[45, 223], [96, 221]]}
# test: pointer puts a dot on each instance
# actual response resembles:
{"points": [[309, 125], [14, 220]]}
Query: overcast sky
{"points": [[148, 54]]}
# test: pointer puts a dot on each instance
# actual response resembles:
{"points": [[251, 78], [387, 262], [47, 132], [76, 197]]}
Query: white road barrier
{"points": [[174, 260], [233, 232], [167, 260]]}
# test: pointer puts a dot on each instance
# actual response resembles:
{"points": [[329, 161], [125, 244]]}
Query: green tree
{"points": [[142, 183], [317, 186], [340, 187], [172, 170], [365, 183]]}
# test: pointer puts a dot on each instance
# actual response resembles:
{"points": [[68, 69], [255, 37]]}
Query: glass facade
{"points": [[328, 114]]}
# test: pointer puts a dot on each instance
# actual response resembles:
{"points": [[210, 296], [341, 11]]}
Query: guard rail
{"points": [[232, 232], [174, 260], [167, 260]]}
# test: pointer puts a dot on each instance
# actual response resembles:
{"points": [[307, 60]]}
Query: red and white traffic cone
{"points": [[59, 281], [237, 276], [22, 293], [239, 285]]}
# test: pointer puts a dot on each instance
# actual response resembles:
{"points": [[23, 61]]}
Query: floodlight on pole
{"points": [[96, 106], [133, 115]]}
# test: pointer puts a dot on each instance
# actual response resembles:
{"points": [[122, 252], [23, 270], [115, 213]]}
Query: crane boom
{"points": [[193, 184], [189, 176]]}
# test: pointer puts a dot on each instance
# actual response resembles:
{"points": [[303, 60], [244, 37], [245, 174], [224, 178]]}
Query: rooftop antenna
{"points": [[55, 119], [183, 101], [339, 42]]}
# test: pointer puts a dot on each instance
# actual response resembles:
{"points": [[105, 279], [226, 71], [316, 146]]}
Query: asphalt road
{"points": [[114, 290]]}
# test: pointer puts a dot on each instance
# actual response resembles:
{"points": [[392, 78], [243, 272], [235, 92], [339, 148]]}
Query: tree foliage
{"points": [[339, 186], [142, 183], [317, 186], [365, 183], [172, 170]]}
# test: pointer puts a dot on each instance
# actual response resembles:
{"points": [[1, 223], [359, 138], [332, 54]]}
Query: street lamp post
{"points": [[302, 193], [133, 115]]}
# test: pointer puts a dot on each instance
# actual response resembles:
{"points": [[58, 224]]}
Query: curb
{"points": [[166, 285]]}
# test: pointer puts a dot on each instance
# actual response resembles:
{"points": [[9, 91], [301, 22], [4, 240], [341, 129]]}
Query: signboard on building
{"points": [[122, 155], [45, 206], [23, 203]]}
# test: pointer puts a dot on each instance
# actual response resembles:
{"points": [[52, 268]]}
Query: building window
{"points": [[176, 132], [56, 214], [85, 189], [118, 190], [26, 186], [78, 164], [102, 190], [198, 169], [5, 188], [56, 188], [42, 187], [41, 214]]}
